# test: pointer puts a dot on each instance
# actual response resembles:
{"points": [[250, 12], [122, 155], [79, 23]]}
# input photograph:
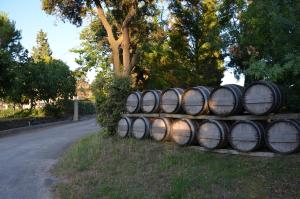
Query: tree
{"points": [[264, 43], [10, 51], [195, 41], [116, 17], [42, 51]]}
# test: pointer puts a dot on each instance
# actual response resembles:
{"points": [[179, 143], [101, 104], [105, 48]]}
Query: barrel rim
{"points": [[269, 85], [138, 107], [168, 130], [146, 127], [157, 100], [297, 126], [178, 106], [228, 87], [197, 88], [218, 126], [257, 125]]}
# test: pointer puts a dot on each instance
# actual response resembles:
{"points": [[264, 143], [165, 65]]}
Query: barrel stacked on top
{"points": [[259, 98]]}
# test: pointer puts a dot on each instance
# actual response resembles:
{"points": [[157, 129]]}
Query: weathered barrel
{"points": [[263, 97], [246, 136], [161, 129], [283, 136], [150, 101], [133, 102], [184, 131], [141, 128], [226, 100], [195, 100], [171, 100], [124, 127], [212, 134]]}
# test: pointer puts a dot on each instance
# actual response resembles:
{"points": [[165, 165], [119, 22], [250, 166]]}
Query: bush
{"points": [[86, 107], [111, 95], [52, 110]]}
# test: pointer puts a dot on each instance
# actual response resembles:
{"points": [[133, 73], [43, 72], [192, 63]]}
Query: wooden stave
{"points": [[147, 128], [295, 123], [277, 93], [129, 123], [179, 92], [157, 94], [193, 126], [237, 91], [168, 124], [261, 133], [222, 126], [205, 92], [138, 94]]}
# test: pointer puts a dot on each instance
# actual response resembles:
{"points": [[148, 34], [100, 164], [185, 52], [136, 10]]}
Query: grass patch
{"points": [[110, 167]]}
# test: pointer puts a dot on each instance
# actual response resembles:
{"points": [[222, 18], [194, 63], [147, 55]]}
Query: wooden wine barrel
{"points": [[212, 134], [161, 129], [283, 136], [124, 127], [246, 136], [262, 97], [141, 128], [171, 100], [150, 101], [184, 131], [195, 100], [226, 100], [133, 104]]}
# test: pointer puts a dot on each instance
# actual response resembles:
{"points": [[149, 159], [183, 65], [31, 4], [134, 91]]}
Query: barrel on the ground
{"points": [[184, 131], [161, 129], [124, 127], [283, 136], [212, 134], [246, 135], [141, 128]]}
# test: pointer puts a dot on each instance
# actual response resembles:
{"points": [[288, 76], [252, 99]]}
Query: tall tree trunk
{"points": [[123, 39], [126, 51], [116, 59]]}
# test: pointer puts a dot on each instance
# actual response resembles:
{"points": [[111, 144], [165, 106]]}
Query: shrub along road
{"points": [[25, 159]]}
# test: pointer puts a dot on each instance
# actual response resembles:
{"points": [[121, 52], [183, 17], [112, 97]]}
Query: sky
{"points": [[30, 18]]}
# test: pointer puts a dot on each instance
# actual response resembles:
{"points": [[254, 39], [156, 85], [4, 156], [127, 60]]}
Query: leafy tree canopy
{"points": [[42, 51]]}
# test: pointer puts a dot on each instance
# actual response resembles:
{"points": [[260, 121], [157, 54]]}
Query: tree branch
{"points": [[105, 23], [130, 15], [120, 40]]}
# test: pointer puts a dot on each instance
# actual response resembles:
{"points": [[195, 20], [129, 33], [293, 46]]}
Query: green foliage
{"points": [[110, 100], [86, 107], [65, 107], [42, 52], [10, 50], [51, 110], [263, 41], [195, 42]]}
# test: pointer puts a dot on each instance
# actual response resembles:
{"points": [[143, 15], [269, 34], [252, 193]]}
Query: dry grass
{"points": [[99, 167]]}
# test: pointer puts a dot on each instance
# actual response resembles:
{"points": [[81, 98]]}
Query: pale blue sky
{"points": [[62, 37]]}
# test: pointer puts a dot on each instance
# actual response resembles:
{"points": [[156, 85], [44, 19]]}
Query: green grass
{"points": [[110, 167], [11, 114]]}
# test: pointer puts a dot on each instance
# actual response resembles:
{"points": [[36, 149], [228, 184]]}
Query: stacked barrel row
{"points": [[259, 98], [281, 136]]}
